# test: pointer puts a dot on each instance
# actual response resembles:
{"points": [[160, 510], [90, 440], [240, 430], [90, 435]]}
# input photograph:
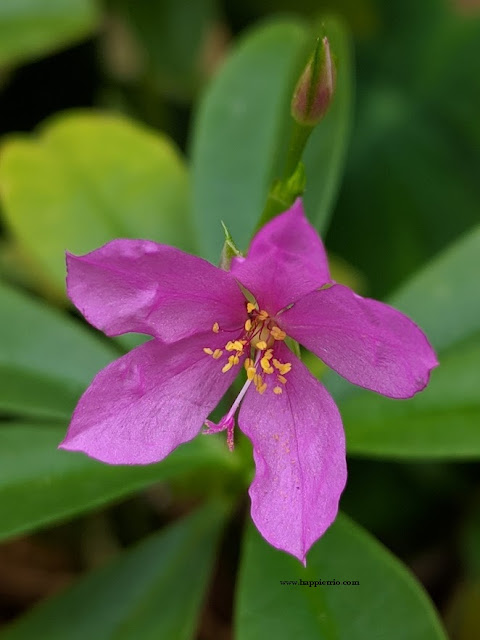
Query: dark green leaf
{"points": [[153, 591], [40, 484], [236, 137], [441, 422], [442, 298], [387, 602], [30, 28], [46, 358]]}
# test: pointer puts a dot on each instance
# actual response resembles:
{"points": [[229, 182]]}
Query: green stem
{"points": [[298, 140], [283, 192]]}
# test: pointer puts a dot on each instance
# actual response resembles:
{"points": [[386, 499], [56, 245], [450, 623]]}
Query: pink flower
{"points": [[147, 403]]}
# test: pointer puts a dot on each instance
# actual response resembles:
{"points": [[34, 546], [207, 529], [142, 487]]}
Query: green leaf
{"points": [[89, 178], [237, 130], [30, 28], [441, 422], [387, 602], [326, 150], [46, 358], [40, 484], [442, 298], [154, 590]]}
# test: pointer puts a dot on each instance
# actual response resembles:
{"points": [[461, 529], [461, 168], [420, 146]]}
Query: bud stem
{"points": [[298, 140]]}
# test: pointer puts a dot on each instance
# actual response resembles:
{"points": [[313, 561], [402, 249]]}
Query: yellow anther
{"points": [[283, 368], [208, 351], [227, 366], [277, 333], [257, 380], [277, 390], [234, 359], [251, 371], [234, 346], [263, 315], [248, 363], [262, 388], [262, 345], [282, 379], [250, 307], [265, 364], [248, 324], [215, 328], [268, 354], [217, 354]]}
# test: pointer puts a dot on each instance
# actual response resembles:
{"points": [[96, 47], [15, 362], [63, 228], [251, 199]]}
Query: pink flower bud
{"points": [[314, 91]]}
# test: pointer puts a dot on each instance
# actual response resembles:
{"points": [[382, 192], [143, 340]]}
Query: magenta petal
{"points": [[145, 287], [365, 341], [285, 261], [142, 406], [299, 450]]}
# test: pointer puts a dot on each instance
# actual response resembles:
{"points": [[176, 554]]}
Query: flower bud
{"points": [[314, 91]]}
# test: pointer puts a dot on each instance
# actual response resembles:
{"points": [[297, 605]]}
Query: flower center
{"points": [[257, 345]]}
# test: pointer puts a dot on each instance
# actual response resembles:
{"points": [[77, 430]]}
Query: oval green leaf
{"points": [[40, 484], [46, 358], [152, 591], [237, 129], [442, 421], [387, 602], [89, 178], [30, 28]]}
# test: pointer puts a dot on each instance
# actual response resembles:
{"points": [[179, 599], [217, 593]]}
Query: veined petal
{"points": [[285, 261], [365, 341], [142, 406], [299, 451], [145, 287]]}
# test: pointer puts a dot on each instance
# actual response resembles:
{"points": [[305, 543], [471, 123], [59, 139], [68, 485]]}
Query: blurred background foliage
{"points": [[103, 107]]}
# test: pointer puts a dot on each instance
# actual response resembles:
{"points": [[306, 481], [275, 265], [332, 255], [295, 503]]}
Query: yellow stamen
{"points": [[282, 379], [227, 367], [251, 371], [257, 380], [262, 388], [234, 346], [234, 359], [265, 364], [248, 324], [277, 333], [217, 354], [208, 351], [250, 307], [277, 390], [262, 345], [283, 368], [263, 315], [268, 354], [248, 363], [215, 328]]}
